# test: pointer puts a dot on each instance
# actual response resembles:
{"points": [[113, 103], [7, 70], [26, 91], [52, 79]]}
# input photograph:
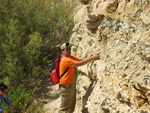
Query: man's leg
{"points": [[73, 101], [67, 96]]}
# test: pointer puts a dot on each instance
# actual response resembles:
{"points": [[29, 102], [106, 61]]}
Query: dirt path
{"points": [[47, 93]]}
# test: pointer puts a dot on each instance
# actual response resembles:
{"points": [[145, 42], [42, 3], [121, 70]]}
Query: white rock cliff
{"points": [[119, 31]]}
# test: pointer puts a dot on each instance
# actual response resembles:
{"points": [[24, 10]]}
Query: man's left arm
{"points": [[6, 99], [80, 59]]}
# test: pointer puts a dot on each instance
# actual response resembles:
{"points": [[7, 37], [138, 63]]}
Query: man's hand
{"points": [[85, 60], [95, 56], [3, 112], [12, 106]]}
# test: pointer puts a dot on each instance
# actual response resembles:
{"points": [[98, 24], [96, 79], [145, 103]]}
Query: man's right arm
{"points": [[85, 61]]}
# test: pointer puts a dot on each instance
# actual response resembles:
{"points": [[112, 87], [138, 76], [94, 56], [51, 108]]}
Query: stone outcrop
{"points": [[119, 31], [85, 1]]}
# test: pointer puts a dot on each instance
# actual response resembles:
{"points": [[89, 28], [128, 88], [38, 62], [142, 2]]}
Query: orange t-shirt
{"points": [[64, 64]]}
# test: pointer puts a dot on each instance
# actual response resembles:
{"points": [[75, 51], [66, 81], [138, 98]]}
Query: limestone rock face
{"points": [[119, 31], [84, 1]]}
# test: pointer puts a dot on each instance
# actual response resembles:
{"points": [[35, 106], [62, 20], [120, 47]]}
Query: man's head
{"points": [[3, 89], [66, 49]]}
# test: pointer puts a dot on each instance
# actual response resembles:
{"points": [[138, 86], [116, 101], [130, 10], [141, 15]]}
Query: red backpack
{"points": [[54, 71]]}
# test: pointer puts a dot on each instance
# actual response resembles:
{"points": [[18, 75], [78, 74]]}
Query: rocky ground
{"points": [[48, 93]]}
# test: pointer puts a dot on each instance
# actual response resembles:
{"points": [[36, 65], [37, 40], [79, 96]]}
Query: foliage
{"points": [[31, 32], [23, 101]]}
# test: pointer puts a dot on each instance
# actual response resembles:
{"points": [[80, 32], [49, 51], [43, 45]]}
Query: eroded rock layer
{"points": [[119, 31]]}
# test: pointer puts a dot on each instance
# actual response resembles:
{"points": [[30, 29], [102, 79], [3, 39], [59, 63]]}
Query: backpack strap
{"points": [[64, 72]]}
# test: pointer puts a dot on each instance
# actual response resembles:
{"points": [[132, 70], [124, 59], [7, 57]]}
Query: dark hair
{"points": [[3, 86]]}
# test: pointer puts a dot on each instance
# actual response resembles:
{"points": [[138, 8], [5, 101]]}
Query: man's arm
{"points": [[6, 99], [83, 61], [80, 59]]}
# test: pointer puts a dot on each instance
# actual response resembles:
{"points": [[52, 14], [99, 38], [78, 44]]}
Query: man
{"points": [[4, 97], [67, 83]]}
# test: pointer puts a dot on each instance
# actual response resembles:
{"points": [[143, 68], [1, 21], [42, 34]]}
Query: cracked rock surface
{"points": [[118, 82], [119, 31]]}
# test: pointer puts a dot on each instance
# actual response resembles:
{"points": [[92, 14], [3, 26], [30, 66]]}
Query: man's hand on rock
{"points": [[3, 112], [12, 106], [95, 56]]}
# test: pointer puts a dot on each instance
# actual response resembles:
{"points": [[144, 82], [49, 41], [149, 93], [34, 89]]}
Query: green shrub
{"points": [[31, 32], [23, 99]]}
